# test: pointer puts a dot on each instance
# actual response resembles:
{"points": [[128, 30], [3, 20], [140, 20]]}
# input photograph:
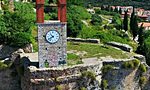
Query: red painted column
{"points": [[40, 11], [62, 10]]}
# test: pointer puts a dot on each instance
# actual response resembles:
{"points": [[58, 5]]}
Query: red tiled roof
{"points": [[145, 24]]}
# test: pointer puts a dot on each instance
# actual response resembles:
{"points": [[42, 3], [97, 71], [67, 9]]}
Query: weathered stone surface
{"points": [[6, 51], [28, 48], [52, 55], [124, 47], [8, 81], [84, 40], [68, 77], [140, 57]]}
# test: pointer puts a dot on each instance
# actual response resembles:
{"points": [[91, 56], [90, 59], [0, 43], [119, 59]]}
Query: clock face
{"points": [[52, 36]]}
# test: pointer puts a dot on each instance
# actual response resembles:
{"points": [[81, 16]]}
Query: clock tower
{"points": [[51, 36]]}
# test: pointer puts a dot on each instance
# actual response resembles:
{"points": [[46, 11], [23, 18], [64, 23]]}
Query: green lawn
{"points": [[94, 50]]}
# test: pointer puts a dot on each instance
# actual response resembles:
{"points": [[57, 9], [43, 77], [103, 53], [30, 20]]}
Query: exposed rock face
{"points": [[7, 81], [84, 40], [7, 51], [66, 78], [140, 57], [124, 47], [28, 48]]}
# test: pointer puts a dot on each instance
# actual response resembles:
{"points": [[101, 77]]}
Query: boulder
{"points": [[121, 46]]}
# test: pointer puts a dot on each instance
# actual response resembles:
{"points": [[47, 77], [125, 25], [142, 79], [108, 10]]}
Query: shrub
{"points": [[96, 19], [83, 88], [142, 80], [106, 68], [142, 68], [20, 39], [58, 87], [3, 66], [131, 64], [88, 74], [104, 84], [136, 62]]}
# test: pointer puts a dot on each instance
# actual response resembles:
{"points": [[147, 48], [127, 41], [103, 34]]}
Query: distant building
{"points": [[146, 25]]}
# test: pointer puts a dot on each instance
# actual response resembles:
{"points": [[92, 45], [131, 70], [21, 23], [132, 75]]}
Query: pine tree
{"points": [[125, 21], [135, 27]]}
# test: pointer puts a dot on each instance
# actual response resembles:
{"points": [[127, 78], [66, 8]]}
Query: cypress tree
{"points": [[116, 9], [131, 20], [125, 21], [140, 48], [141, 35], [135, 27], [120, 11]]}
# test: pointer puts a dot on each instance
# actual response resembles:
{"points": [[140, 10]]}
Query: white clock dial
{"points": [[52, 36]]}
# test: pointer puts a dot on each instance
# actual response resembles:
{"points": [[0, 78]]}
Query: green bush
{"points": [[107, 68], [142, 68], [136, 62], [3, 66], [104, 84], [83, 88], [96, 19], [89, 74], [128, 65], [20, 39], [142, 80]]}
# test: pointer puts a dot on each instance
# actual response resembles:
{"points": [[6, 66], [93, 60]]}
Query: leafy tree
{"points": [[125, 21], [96, 19], [15, 28], [74, 17]]}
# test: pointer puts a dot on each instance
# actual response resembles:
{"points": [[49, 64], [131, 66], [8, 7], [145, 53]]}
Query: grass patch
{"points": [[73, 59], [94, 50]]}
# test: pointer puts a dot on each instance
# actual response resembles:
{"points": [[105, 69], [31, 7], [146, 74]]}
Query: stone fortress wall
{"points": [[53, 78], [71, 78]]}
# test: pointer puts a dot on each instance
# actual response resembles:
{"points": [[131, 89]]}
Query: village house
{"points": [[146, 25]]}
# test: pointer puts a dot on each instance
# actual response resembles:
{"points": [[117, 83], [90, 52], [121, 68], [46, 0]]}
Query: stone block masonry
{"points": [[53, 54], [52, 78]]}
